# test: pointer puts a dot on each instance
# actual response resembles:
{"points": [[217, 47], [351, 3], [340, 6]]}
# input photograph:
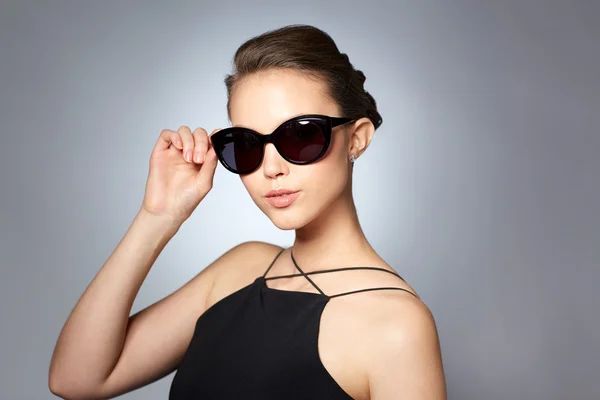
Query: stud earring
{"points": [[352, 158]]}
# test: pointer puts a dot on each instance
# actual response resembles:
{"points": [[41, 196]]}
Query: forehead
{"points": [[264, 100]]}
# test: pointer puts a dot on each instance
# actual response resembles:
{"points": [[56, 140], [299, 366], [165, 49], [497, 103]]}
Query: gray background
{"points": [[481, 188]]}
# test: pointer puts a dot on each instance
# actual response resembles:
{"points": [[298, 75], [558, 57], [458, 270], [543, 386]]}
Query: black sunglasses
{"points": [[300, 140]]}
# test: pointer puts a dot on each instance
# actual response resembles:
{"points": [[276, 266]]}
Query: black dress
{"points": [[260, 343]]}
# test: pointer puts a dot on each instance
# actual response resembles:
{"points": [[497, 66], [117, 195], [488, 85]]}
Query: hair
{"points": [[308, 50]]}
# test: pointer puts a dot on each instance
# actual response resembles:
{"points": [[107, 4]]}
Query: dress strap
{"points": [[299, 269], [345, 269], [337, 269], [305, 274], [365, 290], [273, 262]]}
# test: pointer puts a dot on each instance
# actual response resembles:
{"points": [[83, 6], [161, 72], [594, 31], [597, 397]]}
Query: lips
{"points": [[281, 198], [280, 192]]}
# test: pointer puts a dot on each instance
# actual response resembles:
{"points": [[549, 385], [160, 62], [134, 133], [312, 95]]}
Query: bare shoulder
{"points": [[401, 315], [405, 350], [246, 261], [255, 252]]}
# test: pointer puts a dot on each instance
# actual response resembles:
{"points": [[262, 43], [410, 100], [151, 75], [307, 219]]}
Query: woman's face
{"points": [[262, 102]]}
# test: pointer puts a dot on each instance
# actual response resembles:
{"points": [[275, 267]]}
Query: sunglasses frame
{"points": [[330, 123]]}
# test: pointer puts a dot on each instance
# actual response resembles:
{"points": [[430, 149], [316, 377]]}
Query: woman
{"points": [[326, 318]]}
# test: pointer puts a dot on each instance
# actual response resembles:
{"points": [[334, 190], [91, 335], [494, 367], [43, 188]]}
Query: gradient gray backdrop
{"points": [[481, 188]]}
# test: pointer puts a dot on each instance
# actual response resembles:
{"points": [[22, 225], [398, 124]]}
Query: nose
{"points": [[273, 164]]}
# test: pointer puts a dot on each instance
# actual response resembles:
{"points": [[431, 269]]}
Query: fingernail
{"points": [[197, 157], [188, 155]]}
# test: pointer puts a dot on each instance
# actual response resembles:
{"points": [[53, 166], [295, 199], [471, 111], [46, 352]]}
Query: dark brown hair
{"points": [[309, 50]]}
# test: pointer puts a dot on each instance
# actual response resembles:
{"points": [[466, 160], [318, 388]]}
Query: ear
{"points": [[361, 134]]}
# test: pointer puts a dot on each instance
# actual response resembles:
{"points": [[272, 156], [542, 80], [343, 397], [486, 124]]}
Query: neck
{"points": [[334, 239]]}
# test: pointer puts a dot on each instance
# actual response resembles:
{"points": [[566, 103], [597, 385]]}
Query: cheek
{"points": [[330, 173], [257, 186], [252, 186], [326, 179]]}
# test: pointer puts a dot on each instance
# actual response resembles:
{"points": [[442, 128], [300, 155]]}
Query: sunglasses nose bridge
{"points": [[268, 139], [264, 140]]}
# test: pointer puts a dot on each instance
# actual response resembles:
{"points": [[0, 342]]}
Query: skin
{"points": [[378, 345]]}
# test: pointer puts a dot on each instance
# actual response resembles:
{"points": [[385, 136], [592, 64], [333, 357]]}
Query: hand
{"points": [[182, 168]]}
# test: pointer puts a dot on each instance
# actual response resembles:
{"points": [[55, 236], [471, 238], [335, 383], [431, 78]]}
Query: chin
{"points": [[292, 218], [288, 221]]}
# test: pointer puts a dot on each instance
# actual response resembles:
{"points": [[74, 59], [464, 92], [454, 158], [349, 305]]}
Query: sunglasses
{"points": [[301, 140]]}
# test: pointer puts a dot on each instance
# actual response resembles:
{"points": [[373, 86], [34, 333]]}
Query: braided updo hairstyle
{"points": [[306, 49]]}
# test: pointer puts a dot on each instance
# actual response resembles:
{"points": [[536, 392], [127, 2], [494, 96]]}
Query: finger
{"points": [[176, 140], [188, 142], [200, 145], [206, 174], [165, 139]]}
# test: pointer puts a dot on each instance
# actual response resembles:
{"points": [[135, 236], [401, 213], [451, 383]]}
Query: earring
{"points": [[352, 159]]}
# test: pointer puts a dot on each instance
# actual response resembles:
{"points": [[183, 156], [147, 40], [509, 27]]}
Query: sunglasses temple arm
{"points": [[375, 117]]}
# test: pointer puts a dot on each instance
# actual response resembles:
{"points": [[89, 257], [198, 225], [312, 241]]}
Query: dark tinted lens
{"points": [[302, 141], [241, 150]]}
